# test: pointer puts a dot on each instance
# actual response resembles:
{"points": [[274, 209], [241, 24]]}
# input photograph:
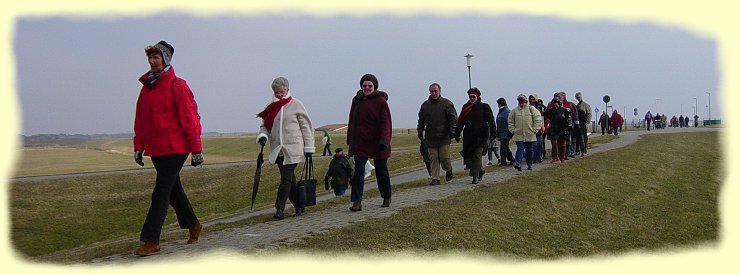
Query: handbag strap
{"points": [[307, 169]]}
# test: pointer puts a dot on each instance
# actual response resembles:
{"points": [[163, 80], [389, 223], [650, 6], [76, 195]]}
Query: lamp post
{"points": [[709, 97], [695, 106], [467, 58]]}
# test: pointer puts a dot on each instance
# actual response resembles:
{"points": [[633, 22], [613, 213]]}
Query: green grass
{"points": [[648, 196]]}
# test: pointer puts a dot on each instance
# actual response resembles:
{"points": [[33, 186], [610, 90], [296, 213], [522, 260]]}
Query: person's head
{"points": [[473, 95], [604, 113], [369, 84], [435, 91], [338, 152], [615, 111], [280, 87], [522, 100], [579, 97], [561, 96], [159, 55], [557, 101], [501, 101], [532, 99]]}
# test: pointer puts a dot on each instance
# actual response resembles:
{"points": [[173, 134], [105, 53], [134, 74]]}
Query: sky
{"points": [[79, 76]]}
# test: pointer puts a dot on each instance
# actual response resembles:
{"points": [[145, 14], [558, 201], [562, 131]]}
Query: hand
{"points": [[196, 159], [420, 135], [382, 146], [326, 184], [139, 157], [309, 155], [457, 139], [262, 141]]}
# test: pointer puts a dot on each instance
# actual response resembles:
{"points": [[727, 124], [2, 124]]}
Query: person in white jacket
{"points": [[287, 126], [524, 123]]}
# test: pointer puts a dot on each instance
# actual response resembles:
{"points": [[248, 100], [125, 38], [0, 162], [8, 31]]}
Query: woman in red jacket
{"points": [[369, 136], [616, 120], [166, 128]]}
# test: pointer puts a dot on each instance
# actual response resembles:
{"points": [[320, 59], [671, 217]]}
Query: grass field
{"points": [[644, 197], [116, 154]]}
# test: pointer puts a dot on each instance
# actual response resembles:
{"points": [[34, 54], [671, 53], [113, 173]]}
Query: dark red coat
{"points": [[370, 126], [616, 120], [167, 120]]}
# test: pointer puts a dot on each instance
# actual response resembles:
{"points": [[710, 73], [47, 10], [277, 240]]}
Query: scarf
{"points": [[271, 111], [152, 77], [465, 112]]}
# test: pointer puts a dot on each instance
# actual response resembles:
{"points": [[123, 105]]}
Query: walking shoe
{"points": [[475, 180], [435, 182], [529, 167], [480, 175], [195, 233], [147, 249], [518, 168], [356, 206], [279, 214], [489, 163], [554, 161], [502, 165], [386, 202], [448, 175], [298, 212]]}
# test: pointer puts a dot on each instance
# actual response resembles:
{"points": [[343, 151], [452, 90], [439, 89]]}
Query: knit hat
{"points": [[337, 150], [163, 48], [371, 78], [521, 99], [474, 91]]}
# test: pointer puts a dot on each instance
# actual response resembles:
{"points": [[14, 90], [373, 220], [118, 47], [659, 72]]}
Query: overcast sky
{"points": [[80, 76]]}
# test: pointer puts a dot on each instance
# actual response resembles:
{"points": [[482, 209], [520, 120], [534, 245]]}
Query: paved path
{"points": [[274, 234]]}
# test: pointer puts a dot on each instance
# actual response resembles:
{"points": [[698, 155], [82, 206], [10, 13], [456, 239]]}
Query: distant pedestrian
{"points": [[648, 120], [663, 119], [604, 122], [616, 122], [478, 126], [524, 122], [681, 122], [369, 135], [560, 123], [436, 124], [287, 127], [326, 141], [586, 126], [696, 120], [503, 133], [339, 173], [573, 117], [166, 128]]}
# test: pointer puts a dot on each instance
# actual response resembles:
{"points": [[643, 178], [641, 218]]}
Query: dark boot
{"points": [[279, 214], [386, 202], [298, 212], [356, 206], [448, 175]]}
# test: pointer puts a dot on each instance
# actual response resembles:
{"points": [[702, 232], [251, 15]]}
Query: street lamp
{"points": [[467, 58], [709, 96], [695, 106]]}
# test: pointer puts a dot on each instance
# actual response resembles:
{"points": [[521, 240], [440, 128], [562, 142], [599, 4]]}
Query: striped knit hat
{"points": [[163, 48]]}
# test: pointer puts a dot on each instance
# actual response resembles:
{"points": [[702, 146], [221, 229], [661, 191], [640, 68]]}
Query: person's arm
{"points": [[187, 112], [385, 126], [304, 122]]}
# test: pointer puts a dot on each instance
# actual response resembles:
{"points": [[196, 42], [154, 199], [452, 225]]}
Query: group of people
{"points": [[659, 121], [611, 125]]}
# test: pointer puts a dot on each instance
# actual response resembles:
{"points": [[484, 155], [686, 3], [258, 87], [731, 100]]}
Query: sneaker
{"points": [[147, 249], [448, 175]]}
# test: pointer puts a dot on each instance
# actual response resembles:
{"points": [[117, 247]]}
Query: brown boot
{"points": [[195, 233], [356, 206], [147, 249]]}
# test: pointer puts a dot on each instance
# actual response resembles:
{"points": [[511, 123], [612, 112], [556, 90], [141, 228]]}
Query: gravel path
{"points": [[274, 234]]}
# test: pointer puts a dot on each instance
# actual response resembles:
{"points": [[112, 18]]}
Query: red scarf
{"points": [[465, 112], [271, 111]]}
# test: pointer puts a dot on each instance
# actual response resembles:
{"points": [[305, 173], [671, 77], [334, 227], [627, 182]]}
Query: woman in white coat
{"points": [[525, 121], [286, 125]]}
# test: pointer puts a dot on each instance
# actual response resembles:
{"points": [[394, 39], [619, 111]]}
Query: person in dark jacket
{"points": [[604, 122], [338, 173], [166, 128], [477, 125], [648, 119], [436, 124], [580, 132], [502, 132], [560, 124], [369, 134]]}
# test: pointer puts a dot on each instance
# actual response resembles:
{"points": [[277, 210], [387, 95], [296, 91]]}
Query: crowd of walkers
{"points": [[167, 128]]}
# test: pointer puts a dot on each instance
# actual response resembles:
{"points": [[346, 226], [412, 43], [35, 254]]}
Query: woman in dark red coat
{"points": [[617, 121], [369, 136], [166, 128]]}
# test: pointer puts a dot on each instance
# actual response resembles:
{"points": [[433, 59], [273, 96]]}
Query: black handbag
{"points": [[307, 185]]}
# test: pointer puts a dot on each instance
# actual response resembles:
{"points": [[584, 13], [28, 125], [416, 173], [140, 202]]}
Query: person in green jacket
{"points": [[326, 141], [339, 173]]}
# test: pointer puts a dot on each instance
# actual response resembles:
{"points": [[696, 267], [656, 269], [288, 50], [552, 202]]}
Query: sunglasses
{"points": [[369, 86], [472, 96]]}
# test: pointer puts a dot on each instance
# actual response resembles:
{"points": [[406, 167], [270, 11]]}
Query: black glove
{"points": [[139, 157], [326, 184], [420, 135], [196, 159], [382, 146], [262, 141]]}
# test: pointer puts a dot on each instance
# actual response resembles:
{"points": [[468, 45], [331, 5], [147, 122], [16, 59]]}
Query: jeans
{"points": [[339, 192], [327, 150], [381, 176], [167, 190], [523, 147], [537, 149]]}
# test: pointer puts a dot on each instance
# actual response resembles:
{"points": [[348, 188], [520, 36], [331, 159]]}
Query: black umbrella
{"points": [[257, 176]]}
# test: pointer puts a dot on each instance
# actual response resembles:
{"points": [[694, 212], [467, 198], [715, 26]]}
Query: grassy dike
{"points": [[660, 193]]}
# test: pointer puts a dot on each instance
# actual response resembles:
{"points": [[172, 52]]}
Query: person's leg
{"points": [[338, 192], [287, 183], [585, 143], [434, 156], [358, 180], [519, 154], [509, 154], [383, 178], [562, 150], [167, 167], [502, 149], [555, 149], [444, 161], [183, 210], [528, 150]]}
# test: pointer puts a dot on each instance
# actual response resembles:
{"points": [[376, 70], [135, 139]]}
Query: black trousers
{"points": [[505, 151], [167, 191], [288, 189]]}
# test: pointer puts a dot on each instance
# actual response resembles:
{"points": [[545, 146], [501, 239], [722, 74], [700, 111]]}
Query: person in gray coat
{"points": [[437, 124]]}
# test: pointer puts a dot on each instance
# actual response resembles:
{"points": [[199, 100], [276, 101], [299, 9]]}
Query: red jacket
{"points": [[167, 120], [616, 120], [369, 126]]}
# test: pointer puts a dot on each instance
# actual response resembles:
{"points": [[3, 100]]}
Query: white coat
{"points": [[292, 134]]}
